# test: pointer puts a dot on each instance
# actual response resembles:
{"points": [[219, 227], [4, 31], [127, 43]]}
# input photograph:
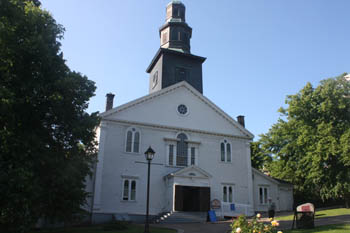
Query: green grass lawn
{"points": [[99, 229], [321, 214], [341, 228]]}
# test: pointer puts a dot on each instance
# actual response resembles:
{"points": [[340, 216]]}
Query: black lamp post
{"points": [[149, 154]]}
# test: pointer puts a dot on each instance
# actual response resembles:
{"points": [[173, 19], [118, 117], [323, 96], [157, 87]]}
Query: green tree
{"points": [[259, 156], [310, 143], [47, 140]]}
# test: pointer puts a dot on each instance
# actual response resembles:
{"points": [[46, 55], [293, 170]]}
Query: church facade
{"points": [[202, 154]]}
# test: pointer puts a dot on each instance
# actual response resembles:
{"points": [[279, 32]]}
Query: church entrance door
{"points": [[191, 198]]}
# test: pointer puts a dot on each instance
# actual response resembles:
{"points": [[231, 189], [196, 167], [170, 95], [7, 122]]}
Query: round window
{"points": [[182, 109]]}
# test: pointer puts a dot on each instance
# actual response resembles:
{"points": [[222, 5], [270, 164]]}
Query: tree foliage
{"points": [[46, 138], [259, 157], [311, 142]]}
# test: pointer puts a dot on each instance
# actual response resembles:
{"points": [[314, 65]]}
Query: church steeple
{"points": [[175, 33], [174, 63]]}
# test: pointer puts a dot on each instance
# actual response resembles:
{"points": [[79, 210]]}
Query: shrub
{"points": [[242, 225]]}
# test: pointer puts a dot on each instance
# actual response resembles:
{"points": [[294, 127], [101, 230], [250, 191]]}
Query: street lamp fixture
{"points": [[149, 154]]}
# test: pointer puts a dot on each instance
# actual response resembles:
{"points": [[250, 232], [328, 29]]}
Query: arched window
{"points": [[132, 140], [222, 149], [225, 151], [181, 150], [228, 152], [136, 142]]}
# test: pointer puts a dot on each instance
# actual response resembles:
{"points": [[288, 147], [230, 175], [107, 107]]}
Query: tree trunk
{"points": [[347, 202]]}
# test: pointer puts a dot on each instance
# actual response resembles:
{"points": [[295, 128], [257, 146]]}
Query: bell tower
{"points": [[175, 33], [174, 63]]}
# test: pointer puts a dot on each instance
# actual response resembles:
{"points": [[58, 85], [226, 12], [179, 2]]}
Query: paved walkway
{"points": [[224, 227]]}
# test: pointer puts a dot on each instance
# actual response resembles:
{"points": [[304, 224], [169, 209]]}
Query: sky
{"points": [[258, 51]]}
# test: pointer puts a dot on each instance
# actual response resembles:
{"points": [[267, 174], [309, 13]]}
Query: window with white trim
{"points": [[184, 161], [263, 195], [225, 151], [132, 140], [171, 155], [227, 193], [129, 190], [181, 152], [193, 156]]}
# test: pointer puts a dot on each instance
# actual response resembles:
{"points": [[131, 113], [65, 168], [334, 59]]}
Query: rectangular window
{"points": [[227, 193], [193, 155], [133, 191], [263, 195], [171, 154], [129, 190]]}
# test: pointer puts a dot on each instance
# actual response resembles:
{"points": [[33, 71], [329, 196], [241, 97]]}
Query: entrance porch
{"points": [[189, 190]]}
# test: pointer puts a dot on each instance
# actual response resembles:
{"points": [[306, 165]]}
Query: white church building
{"points": [[202, 154]]}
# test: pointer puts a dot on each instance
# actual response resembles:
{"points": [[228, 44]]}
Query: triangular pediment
{"points": [[160, 109], [191, 172]]}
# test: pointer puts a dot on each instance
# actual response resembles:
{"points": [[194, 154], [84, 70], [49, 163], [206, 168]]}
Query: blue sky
{"points": [[258, 51]]}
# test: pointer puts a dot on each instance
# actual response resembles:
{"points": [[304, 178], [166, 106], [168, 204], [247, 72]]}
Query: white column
{"points": [[99, 169]]}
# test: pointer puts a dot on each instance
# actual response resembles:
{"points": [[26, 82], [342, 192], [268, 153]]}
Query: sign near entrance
{"points": [[212, 216], [215, 204]]}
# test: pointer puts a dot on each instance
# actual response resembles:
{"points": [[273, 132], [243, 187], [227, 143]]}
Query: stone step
{"points": [[184, 217]]}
